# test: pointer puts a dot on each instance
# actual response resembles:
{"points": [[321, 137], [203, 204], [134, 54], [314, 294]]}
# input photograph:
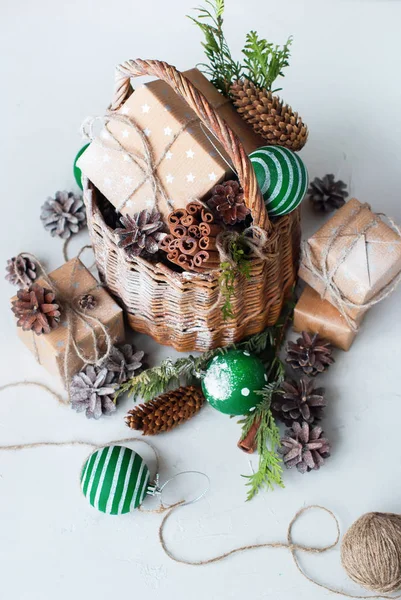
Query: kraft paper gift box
{"points": [[314, 315], [363, 256], [188, 164], [71, 281]]}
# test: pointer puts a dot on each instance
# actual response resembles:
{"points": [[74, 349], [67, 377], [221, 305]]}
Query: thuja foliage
{"points": [[239, 265], [263, 61]]}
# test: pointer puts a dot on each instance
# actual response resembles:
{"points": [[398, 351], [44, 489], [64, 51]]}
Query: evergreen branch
{"points": [[265, 61], [230, 270]]}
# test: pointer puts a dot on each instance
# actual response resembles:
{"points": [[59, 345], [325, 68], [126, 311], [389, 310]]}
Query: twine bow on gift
{"points": [[73, 314], [326, 275]]}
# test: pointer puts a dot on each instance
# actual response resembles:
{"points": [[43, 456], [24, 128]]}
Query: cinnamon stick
{"points": [[179, 231], [194, 208], [207, 216], [175, 217], [209, 229], [207, 243], [188, 220], [248, 444], [194, 231], [188, 246]]}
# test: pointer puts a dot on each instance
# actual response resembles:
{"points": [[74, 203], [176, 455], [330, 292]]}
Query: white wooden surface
{"points": [[57, 61]]}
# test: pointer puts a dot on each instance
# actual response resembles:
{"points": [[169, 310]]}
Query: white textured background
{"points": [[57, 61]]}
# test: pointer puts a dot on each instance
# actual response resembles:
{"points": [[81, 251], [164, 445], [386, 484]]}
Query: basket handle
{"points": [[207, 114]]}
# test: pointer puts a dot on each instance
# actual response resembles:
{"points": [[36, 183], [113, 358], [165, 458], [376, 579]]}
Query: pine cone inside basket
{"points": [[227, 202], [140, 233], [36, 309], [269, 116], [299, 401], [326, 194], [304, 447], [166, 411], [21, 271], [64, 214], [310, 354]]}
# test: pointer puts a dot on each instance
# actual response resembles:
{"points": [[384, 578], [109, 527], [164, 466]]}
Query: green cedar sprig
{"points": [[222, 69], [263, 61], [239, 265]]}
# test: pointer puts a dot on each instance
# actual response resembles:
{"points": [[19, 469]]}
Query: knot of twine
{"points": [[74, 314], [254, 237], [326, 275]]}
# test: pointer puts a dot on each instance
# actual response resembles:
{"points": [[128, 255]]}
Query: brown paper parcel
{"points": [[364, 257], [73, 280], [315, 315], [186, 163]]}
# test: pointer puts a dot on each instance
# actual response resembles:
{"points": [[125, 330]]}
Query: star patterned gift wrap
{"points": [[156, 124], [364, 256], [314, 315], [72, 281]]}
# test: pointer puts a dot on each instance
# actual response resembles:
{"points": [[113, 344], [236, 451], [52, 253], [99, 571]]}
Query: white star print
{"points": [[106, 158], [145, 108], [212, 176], [168, 131], [149, 202], [128, 203], [190, 177], [107, 181], [169, 178], [147, 132], [125, 110], [105, 134], [128, 180], [190, 153], [169, 155], [126, 158], [125, 133]]}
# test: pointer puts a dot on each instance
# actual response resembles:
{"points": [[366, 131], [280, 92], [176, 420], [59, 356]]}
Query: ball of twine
{"points": [[371, 552]]}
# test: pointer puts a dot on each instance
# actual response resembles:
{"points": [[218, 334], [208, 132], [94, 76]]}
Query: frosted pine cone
{"points": [[140, 233], [21, 271], [123, 361], [36, 309], [304, 447], [64, 214], [299, 401], [227, 201], [91, 391], [311, 354]]}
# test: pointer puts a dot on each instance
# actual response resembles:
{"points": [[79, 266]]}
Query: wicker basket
{"points": [[183, 310]]}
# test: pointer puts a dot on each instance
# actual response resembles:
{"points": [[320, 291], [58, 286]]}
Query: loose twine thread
{"points": [[326, 275], [370, 551]]}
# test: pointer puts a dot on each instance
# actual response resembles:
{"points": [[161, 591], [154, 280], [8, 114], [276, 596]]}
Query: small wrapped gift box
{"points": [[154, 152], [314, 315], [71, 282], [353, 260]]}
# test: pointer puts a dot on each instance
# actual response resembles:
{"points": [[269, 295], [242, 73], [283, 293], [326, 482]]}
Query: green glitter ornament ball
{"points": [[77, 170], [231, 381], [115, 480], [282, 178]]}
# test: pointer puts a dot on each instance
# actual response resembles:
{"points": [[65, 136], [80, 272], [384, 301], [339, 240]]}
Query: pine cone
{"points": [[304, 447], [63, 215], [326, 194], [269, 116], [140, 233], [300, 401], [311, 354], [36, 309], [21, 271], [227, 200], [87, 302], [166, 411], [123, 361], [91, 391]]}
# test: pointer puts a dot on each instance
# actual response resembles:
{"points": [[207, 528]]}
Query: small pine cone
{"points": [[64, 214], [140, 233], [87, 302], [227, 201], [268, 115], [326, 194], [304, 447], [299, 401], [123, 361], [310, 354], [166, 411], [36, 309], [21, 271]]}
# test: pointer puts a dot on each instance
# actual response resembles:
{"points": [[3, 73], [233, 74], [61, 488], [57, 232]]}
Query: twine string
{"points": [[326, 275]]}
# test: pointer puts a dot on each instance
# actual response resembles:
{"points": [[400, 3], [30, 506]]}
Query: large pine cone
{"points": [[304, 447], [140, 233], [269, 116], [64, 214], [166, 411], [310, 354], [299, 401], [36, 309]]}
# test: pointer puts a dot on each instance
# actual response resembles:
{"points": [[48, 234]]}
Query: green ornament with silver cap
{"points": [[231, 381], [282, 178]]}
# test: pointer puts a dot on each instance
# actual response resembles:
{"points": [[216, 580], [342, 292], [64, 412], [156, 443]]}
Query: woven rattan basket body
{"points": [[183, 310]]}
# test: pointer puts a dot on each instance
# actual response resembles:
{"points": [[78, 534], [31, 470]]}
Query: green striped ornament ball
{"points": [[115, 480], [282, 177]]}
